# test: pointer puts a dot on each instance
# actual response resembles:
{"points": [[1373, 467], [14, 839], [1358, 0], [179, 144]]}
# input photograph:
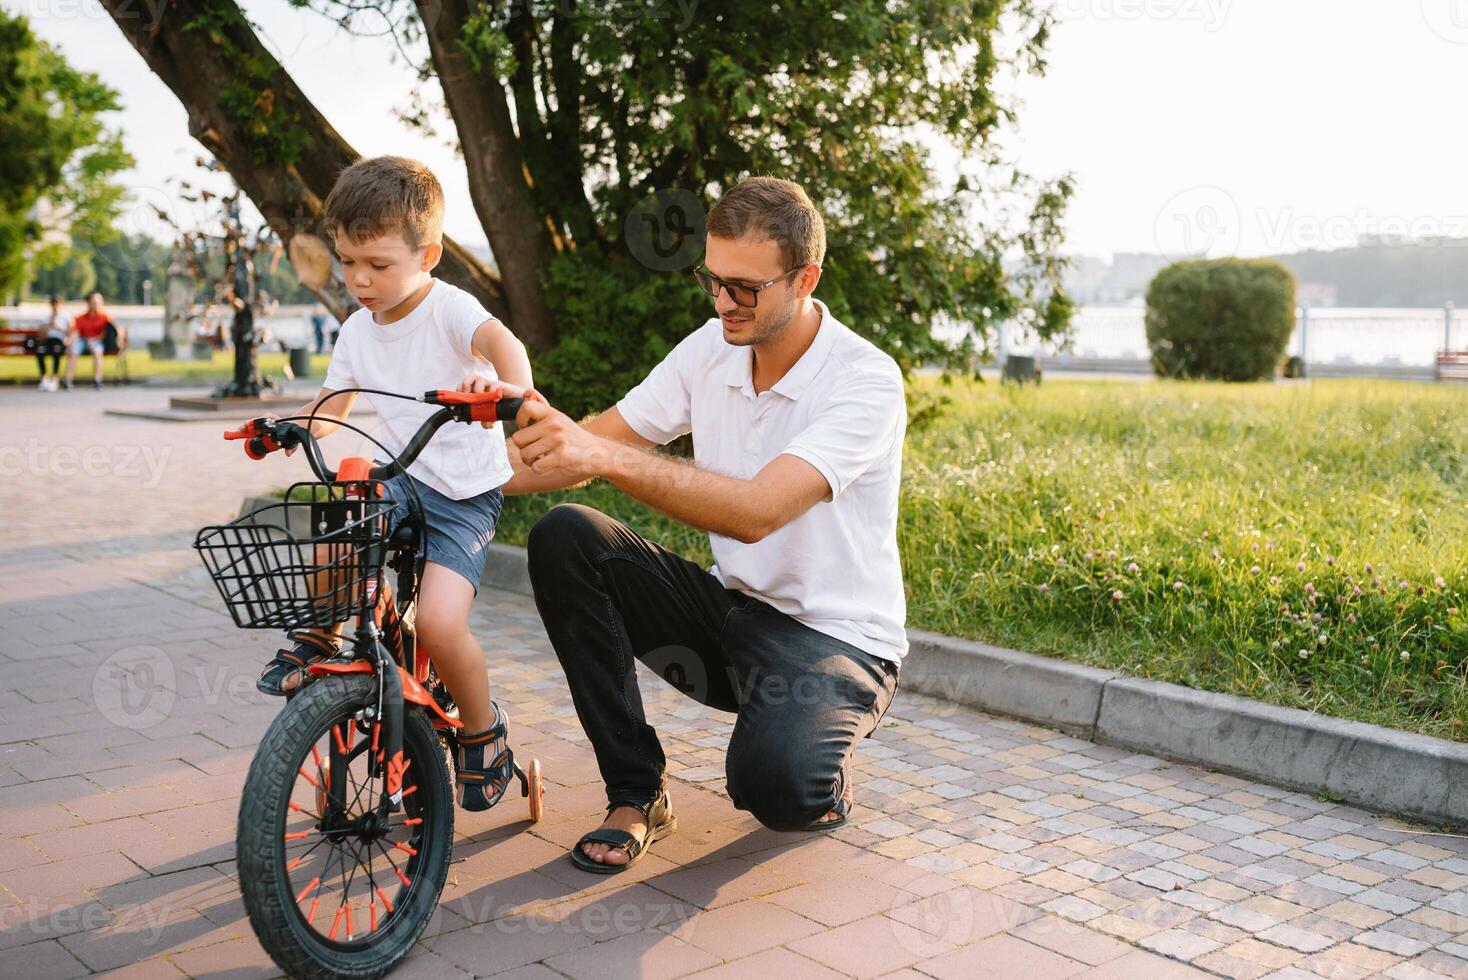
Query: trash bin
{"points": [[300, 362], [1020, 369]]}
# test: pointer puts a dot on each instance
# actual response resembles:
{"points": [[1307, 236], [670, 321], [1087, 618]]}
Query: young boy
{"points": [[412, 334]]}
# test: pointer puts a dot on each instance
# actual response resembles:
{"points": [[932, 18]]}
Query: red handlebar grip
{"points": [[502, 410], [249, 430], [445, 397], [261, 446]]}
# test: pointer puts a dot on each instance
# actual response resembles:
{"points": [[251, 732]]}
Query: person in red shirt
{"points": [[89, 336]]}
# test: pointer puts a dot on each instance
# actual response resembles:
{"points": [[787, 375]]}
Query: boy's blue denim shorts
{"points": [[458, 531]]}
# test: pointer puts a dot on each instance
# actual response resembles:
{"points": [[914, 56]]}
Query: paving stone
{"points": [[980, 846]]}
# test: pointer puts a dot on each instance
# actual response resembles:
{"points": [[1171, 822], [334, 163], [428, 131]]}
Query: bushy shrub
{"points": [[617, 320], [1227, 319]]}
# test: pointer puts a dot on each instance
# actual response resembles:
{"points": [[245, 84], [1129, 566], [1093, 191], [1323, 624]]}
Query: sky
{"points": [[1231, 127]]}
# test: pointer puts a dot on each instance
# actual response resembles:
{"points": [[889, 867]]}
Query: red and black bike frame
{"points": [[396, 681]]}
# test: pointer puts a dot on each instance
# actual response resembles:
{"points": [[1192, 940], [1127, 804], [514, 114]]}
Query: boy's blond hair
{"points": [[383, 196]]}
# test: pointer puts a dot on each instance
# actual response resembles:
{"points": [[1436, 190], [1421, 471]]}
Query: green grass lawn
{"points": [[1300, 544], [141, 366]]}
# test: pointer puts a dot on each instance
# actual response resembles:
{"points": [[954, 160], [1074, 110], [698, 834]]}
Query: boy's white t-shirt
{"points": [[432, 347]]}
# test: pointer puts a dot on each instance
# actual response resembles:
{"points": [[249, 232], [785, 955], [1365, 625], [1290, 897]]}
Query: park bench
{"points": [[13, 340], [13, 344], [1452, 365]]}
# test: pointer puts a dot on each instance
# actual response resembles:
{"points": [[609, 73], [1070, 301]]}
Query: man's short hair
{"points": [[383, 196], [774, 209]]}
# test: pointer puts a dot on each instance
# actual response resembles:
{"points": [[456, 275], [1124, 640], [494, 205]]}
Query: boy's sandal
{"points": [[658, 816], [484, 764], [308, 649]]}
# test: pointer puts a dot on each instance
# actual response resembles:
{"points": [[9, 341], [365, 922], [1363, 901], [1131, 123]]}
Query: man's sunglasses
{"points": [[742, 294]]}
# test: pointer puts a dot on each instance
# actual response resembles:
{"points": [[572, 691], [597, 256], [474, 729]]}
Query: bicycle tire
{"points": [[269, 897]]}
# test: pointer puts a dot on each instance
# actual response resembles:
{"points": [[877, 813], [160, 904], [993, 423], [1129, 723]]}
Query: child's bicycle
{"points": [[346, 819]]}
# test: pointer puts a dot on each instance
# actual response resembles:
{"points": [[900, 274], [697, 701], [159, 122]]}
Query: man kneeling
{"points": [[797, 427]]}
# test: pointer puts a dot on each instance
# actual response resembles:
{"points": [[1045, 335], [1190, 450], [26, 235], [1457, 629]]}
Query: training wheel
{"points": [[535, 790]]}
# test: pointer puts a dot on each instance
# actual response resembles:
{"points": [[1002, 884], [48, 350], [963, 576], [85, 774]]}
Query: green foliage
{"points": [[612, 103], [55, 149], [1296, 544], [124, 264], [71, 279], [273, 132], [616, 322], [119, 267], [1226, 319], [274, 135], [1421, 273]]}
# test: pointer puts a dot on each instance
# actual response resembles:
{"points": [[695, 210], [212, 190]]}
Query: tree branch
{"points": [[502, 197], [287, 156]]}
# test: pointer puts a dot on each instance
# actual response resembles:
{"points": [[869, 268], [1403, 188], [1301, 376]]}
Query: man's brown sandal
{"points": [[658, 815]]}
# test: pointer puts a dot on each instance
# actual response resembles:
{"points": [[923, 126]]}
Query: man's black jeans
{"points": [[803, 699]]}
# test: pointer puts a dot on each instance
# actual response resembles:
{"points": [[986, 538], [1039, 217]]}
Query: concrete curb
{"points": [[1369, 766], [508, 569], [1365, 765], [1378, 768], [1053, 692]]}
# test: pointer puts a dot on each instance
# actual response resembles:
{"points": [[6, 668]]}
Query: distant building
{"points": [[1315, 294], [1123, 281]]}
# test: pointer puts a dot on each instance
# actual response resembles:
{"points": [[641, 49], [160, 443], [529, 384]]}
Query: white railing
{"points": [[1330, 340]]}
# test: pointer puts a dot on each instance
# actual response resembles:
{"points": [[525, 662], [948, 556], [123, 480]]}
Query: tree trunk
{"points": [[503, 199], [206, 52]]}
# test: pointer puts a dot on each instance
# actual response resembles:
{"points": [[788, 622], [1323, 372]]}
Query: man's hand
{"points": [[551, 441], [478, 383]]}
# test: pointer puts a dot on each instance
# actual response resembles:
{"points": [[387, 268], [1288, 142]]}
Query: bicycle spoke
{"points": [[297, 861], [396, 870], [346, 900]]}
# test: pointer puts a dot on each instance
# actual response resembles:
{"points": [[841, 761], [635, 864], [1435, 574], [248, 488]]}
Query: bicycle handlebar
{"points": [[263, 436]]}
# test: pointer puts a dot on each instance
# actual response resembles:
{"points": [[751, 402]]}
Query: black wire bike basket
{"points": [[304, 562]]}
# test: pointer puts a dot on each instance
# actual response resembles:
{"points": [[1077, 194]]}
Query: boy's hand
{"points": [[292, 450], [478, 383]]}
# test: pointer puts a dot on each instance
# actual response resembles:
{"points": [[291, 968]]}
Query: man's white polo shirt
{"points": [[841, 409]]}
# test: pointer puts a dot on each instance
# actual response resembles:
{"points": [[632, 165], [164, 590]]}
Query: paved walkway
{"points": [[981, 846]]}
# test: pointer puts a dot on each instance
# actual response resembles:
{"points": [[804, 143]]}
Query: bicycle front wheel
{"points": [[332, 887]]}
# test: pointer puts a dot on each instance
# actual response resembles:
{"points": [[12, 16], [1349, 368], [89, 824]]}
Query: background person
{"points": [[89, 336], [52, 343]]}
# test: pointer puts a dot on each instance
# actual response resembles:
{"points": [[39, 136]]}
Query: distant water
{"points": [[1336, 336]]}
